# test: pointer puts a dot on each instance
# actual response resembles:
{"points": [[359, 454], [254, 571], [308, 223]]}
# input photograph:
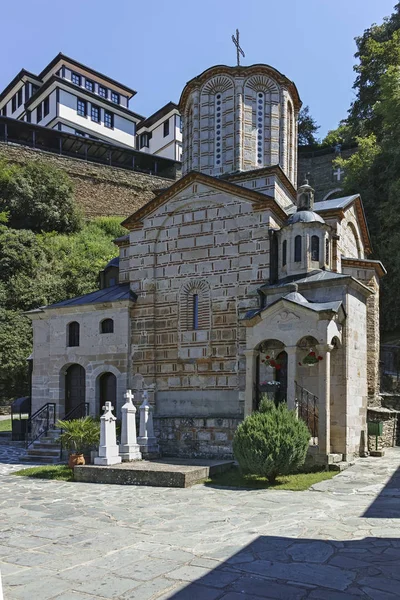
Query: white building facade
{"points": [[161, 133]]}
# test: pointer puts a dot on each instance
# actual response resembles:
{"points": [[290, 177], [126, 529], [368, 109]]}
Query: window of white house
{"points": [[89, 85], [95, 113], [144, 140], [102, 91], [39, 113], [115, 97], [14, 103], [46, 106], [81, 107], [75, 78], [166, 128], [108, 119], [20, 96]]}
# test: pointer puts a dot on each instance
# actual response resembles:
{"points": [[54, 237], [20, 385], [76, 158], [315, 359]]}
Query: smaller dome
{"points": [[304, 216]]}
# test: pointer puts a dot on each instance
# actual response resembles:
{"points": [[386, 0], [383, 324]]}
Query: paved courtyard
{"points": [[78, 541]]}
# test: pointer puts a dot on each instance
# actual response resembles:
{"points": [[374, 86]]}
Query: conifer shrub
{"points": [[271, 442]]}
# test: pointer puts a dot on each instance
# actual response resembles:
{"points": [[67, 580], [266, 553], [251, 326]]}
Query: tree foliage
{"points": [[307, 128], [39, 197], [271, 443]]}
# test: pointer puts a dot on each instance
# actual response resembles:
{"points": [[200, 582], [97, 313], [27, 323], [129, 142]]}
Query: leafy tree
{"points": [[15, 348], [271, 443], [39, 197], [307, 128], [377, 50], [341, 135]]}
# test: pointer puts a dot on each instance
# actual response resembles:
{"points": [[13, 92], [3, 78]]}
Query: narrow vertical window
{"points": [[195, 311], [297, 248], [327, 251], [73, 334], [218, 128], [260, 111], [284, 253], [314, 247]]}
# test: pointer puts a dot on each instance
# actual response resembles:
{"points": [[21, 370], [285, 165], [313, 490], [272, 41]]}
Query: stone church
{"points": [[230, 284]]}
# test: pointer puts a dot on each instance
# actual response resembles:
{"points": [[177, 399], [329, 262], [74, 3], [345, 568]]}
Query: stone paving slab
{"points": [[167, 472], [77, 541]]}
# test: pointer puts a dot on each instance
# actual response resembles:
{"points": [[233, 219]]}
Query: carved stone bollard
{"points": [[148, 443], [129, 449], [108, 449]]}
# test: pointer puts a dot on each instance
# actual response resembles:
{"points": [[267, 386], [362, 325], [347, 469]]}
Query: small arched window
{"points": [[195, 306], [314, 247], [107, 326], [327, 251], [297, 248], [73, 334], [284, 253], [195, 312]]}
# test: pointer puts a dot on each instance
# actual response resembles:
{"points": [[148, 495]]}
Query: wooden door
{"points": [[75, 387], [108, 390]]}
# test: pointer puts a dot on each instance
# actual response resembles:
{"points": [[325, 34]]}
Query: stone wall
{"points": [[390, 432], [196, 437], [319, 163], [99, 189]]}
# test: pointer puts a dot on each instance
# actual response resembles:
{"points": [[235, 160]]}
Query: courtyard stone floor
{"points": [[80, 541]]}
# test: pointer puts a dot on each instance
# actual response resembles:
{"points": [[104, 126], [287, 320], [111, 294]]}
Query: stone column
{"points": [[148, 443], [129, 448], [291, 376], [251, 362], [324, 398], [108, 449]]}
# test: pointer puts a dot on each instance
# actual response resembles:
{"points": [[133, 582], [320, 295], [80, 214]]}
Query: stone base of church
{"points": [[196, 437]]}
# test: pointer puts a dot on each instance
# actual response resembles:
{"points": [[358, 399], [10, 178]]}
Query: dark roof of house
{"points": [[14, 81], [334, 203], [115, 293], [61, 56], [159, 114], [114, 262], [300, 300]]}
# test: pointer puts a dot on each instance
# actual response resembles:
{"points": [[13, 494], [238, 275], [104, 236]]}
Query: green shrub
{"points": [[271, 443]]}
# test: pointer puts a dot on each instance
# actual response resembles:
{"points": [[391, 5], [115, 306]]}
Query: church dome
{"points": [[304, 216]]}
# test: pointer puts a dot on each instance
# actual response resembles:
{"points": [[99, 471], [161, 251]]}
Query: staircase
{"points": [[45, 449], [336, 462]]}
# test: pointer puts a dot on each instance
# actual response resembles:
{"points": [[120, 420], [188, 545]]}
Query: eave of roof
{"points": [[159, 114], [315, 278], [337, 207], [240, 71], [262, 200], [115, 293], [79, 92], [365, 263], [317, 307], [72, 61], [17, 78]]}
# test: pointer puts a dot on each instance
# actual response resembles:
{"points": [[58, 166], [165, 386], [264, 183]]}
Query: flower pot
{"points": [[75, 459]]}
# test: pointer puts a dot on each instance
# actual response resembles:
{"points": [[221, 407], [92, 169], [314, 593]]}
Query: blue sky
{"points": [[155, 47]]}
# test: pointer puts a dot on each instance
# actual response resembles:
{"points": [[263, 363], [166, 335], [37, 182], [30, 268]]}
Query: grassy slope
{"points": [[5, 425]]}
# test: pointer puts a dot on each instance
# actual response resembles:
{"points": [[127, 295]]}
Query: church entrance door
{"points": [[75, 388], [281, 377], [108, 390]]}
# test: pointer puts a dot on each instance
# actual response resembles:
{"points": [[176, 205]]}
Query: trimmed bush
{"points": [[271, 442]]}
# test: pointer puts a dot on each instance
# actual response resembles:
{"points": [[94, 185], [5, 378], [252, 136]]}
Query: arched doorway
{"points": [[107, 390], [75, 387], [281, 377]]}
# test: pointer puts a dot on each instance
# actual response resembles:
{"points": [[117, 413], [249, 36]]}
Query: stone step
{"points": [[334, 458], [341, 466], [43, 451], [42, 459], [45, 444]]}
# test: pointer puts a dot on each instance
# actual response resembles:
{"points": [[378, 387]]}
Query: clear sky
{"points": [[155, 47]]}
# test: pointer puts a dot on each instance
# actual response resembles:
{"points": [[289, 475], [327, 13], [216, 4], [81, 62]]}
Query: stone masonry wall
{"points": [[100, 190], [199, 437], [390, 431]]}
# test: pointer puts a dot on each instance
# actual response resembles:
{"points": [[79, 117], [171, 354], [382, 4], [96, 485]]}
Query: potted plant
{"points": [[270, 361], [78, 435], [310, 359]]}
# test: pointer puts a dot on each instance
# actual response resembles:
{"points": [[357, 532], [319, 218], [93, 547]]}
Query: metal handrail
{"points": [[40, 422]]}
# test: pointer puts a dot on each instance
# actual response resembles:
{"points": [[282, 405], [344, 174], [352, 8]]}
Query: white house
{"points": [[71, 97], [161, 133]]}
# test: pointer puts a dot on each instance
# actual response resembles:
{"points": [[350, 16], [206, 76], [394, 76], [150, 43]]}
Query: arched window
{"points": [[314, 247], [195, 306], [73, 334], [327, 251], [284, 253], [107, 326], [195, 311], [297, 248], [218, 129], [260, 118]]}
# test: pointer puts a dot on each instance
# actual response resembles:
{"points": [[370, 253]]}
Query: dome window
{"points": [[315, 248], [297, 248], [284, 253]]}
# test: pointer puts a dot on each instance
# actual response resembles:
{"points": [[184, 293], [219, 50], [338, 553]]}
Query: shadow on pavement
{"points": [[387, 504]]}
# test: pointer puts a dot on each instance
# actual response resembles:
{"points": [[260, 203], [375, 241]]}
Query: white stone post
{"points": [[291, 352], [324, 393], [129, 448], [251, 362], [148, 443], [108, 449]]}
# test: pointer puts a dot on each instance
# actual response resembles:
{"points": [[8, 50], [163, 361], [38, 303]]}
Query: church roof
{"points": [[114, 262], [335, 203], [300, 300], [304, 216], [115, 293]]}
